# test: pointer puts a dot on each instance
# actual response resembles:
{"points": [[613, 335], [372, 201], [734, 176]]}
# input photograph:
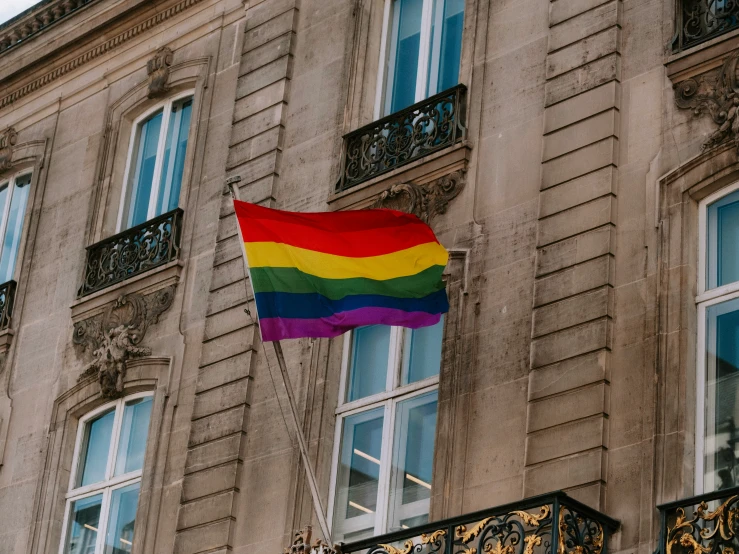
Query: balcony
{"points": [[400, 138], [532, 526], [702, 20], [7, 298], [705, 524], [132, 252]]}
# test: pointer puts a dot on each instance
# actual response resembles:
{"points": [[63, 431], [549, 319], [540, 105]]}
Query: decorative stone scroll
{"points": [[114, 335], [158, 70], [8, 138], [717, 94], [425, 200], [302, 545]]}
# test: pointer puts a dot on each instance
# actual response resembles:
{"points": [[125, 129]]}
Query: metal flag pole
{"points": [[309, 472]]}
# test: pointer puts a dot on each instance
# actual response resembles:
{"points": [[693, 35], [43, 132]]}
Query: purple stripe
{"points": [[278, 328]]}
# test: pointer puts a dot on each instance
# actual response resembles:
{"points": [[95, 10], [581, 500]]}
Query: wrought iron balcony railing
{"points": [[7, 298], [416, 131], [701, 20], [133, 251], [705, 524], [547, 524]]}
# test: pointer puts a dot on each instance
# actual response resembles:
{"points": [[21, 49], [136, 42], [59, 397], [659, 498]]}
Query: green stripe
{"points": [[291, 279]]}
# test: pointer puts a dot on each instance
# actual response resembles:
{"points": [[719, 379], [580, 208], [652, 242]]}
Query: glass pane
{"points": [[119, 535], [369, 359], [722, 395], [134, 430], [14, 227], [95, 448], [358, 476], [84, 522], [421, 353], [446, 45], [723, 236], [405, 43], [145, 154], [174, 156], [413, 458]]}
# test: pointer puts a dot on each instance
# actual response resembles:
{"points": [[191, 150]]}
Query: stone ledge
{"points": [[702, 57]]}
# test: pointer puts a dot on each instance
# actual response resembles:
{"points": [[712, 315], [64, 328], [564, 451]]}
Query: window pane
{"points": [[422, 353], [174, 156], [413, 458], [95, 448], [405, 43], [119, 535], [145, 154], [358, 475], [446, 45], [722, 395], [134, 430], [723, 236], [14, 227], [369, 359], [84, 522]]}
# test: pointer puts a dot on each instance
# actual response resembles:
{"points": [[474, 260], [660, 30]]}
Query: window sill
{"points": [[702, 57], [144, 283], [420, 171]]}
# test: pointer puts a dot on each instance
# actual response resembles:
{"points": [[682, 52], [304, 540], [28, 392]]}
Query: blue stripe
{"points": [[313, 305]]}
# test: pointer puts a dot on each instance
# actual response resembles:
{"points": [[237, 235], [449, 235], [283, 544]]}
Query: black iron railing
{"points": [[705, 524], [702, 20], [7, 298], [548, 524], [133, 251], [428, 126]]}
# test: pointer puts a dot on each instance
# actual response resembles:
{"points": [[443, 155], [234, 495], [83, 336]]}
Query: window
{"points": [[424, 50], [13, 200], [106, 477], [156, 163], [386, 425]]}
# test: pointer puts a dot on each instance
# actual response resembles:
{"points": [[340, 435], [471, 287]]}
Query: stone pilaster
{"points": [[207, 516], [567, 421]]}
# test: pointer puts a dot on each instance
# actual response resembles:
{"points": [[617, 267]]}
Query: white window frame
{"points": [[704, 299], [166, 108], [10, 182], [388, 400], [387, 53], [110, 484]]}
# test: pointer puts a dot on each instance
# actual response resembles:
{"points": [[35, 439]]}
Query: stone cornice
{"points": [[36, 19], [94, 52]]}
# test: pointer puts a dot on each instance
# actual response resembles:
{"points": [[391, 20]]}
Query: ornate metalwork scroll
{"points": [[717, 94], [114, 336], [400, 138], [516, 532], [134, 251], [579, 533], [701, 20], [7, 298], [707, 532]]}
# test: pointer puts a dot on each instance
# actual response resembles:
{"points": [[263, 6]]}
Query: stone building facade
{"points": [[579, 159]]}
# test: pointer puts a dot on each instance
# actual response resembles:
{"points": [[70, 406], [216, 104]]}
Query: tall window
{"points": [[386, 425], [13, 200], [156, 163], [106, 476], [424, 49]]}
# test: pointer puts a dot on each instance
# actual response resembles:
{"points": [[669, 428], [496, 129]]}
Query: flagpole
{"points": [[309, 472]]}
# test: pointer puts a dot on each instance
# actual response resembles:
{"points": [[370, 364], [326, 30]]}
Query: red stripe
{"points": [[356, 233]]}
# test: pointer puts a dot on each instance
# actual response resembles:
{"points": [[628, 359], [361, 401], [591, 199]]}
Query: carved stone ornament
{"points": [[158, 70], [114, 336], [426, 200], [717, 94], [302, 545], [8, 138]]}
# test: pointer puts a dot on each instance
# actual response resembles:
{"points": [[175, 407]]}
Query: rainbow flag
{"points": [[322, 274]]}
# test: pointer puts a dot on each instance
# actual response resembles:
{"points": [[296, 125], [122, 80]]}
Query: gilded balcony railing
{"points": [[701, 20], [412, 133], [7, 298], [549, 524], [704, 524], [133, 251]]}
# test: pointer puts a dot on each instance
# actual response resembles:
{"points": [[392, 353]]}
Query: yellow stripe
{"points": [[330, 266]]}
